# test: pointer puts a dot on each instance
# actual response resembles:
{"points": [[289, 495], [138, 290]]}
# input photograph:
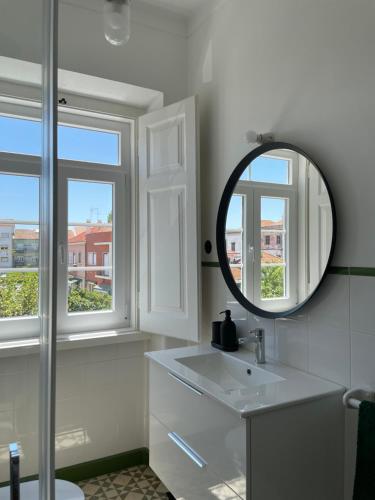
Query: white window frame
{"points": [[122, 178]]}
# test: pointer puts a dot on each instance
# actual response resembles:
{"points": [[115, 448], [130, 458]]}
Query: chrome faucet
{"points": [[257, 337]]}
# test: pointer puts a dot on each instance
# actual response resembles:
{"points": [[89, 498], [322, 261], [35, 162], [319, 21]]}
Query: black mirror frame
{"points": [[221, 225]]}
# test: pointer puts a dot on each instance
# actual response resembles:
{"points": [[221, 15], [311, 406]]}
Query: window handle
{"points": [[62, 253], [251, 253]]}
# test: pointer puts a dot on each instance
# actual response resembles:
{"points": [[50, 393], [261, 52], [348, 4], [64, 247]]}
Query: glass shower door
{"points": [[21, 56]]}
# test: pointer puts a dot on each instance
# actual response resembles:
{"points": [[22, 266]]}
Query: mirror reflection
{"points": [[279, 230]]}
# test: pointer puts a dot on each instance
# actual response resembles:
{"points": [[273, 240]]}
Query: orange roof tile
{"points": [[81, 236], [272, 224], [26, 234], [236, 273], [268, 258]]}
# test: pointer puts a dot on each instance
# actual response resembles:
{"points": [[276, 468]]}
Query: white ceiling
{"points": [[182, 7]]}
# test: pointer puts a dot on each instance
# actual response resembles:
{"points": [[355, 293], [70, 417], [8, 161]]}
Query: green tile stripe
{"points": [[344, 271], [339, 270], [210, 264], [106, 465], [362, 271]]}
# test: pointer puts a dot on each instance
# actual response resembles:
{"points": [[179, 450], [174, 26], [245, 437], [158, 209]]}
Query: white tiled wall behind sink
{"points": [[333, 336], [100, 405]]}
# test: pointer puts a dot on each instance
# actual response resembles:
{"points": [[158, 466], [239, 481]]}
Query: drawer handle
{"points": [[185, 384], [187, 450]]}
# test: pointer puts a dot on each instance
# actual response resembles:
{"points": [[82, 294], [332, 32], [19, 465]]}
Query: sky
{"points": [[261, 170], [19, 194], [88, 200]]}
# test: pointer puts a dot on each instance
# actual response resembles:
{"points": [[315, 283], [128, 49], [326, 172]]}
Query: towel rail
{"points": [[354, 397]]}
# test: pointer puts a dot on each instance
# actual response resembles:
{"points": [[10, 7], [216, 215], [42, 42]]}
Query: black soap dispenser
{"points": [[228, 335]]}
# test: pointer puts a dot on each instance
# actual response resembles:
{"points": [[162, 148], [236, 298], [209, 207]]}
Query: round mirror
{"points": [[275, 230]]}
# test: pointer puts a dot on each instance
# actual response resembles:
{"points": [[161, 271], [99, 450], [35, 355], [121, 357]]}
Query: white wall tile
{"points": [[216, 297], [291, 341], [268, 325], [362, 360], [329, 352], [330, 305], [362, 301], [69, 382], [100, 405]]}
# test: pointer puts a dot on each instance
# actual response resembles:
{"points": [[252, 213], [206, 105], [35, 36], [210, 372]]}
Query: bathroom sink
{"points": [[238, 382], [228, 372]]}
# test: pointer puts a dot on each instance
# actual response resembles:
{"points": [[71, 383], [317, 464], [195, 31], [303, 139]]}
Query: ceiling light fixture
{"points": [[117, 21]]}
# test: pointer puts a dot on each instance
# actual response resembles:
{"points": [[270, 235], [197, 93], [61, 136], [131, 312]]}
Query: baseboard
{"points": [[106, 465]]}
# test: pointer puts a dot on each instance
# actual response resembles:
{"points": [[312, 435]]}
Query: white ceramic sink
{"points": [[227, 372], [226, 378]]}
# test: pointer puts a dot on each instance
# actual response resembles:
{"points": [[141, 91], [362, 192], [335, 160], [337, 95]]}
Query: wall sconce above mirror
{"points": [[275, 230]]}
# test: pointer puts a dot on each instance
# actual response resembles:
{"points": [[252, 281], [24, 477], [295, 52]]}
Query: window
{"points": [[94, 282], [262, 218], [273, 262], [91, 258], [96, 234], [106, 264], [269, 169], [74, 143], [19, 220], [235, 229]]}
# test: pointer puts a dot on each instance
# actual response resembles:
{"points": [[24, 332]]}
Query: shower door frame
{"points": [[48, 254]]}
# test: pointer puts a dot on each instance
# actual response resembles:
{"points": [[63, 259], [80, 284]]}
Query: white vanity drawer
{"points": [[214, 431], [187, 475]]}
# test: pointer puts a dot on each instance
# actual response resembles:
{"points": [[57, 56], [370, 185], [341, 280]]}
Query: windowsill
{"points": [[22, 347]]}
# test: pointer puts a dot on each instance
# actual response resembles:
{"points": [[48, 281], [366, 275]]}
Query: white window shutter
{"points": [[169, 221]]}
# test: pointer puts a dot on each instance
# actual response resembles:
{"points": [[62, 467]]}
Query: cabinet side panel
{"points": [[297, 452]]}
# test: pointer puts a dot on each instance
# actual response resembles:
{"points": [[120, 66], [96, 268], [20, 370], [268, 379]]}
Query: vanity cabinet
{"points": [[202, 449]]}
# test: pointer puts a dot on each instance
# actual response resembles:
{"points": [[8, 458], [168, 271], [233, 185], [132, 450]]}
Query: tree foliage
{"points": [[272, 282], [80, 300], [19, 297]]}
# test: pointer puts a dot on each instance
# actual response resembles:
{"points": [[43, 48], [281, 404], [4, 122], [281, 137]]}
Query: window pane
{"points": [[19, 294], [19, 195], [90, 246], [273, 282], [19, 135], [88, 145], [234, 238], [89, 202], [273, 248], [267, 169], [25, 246], [89, 291], [19, 246], [23, 136]]}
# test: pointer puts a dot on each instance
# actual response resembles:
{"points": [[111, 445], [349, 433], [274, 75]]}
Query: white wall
{"points": [[155, 57], [306, 71]]}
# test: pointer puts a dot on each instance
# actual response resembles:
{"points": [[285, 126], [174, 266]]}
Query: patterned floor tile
{"points": [[135, 483]]}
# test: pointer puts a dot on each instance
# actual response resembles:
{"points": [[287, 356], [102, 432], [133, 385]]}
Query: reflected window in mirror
{"points": [[279, 230]]}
